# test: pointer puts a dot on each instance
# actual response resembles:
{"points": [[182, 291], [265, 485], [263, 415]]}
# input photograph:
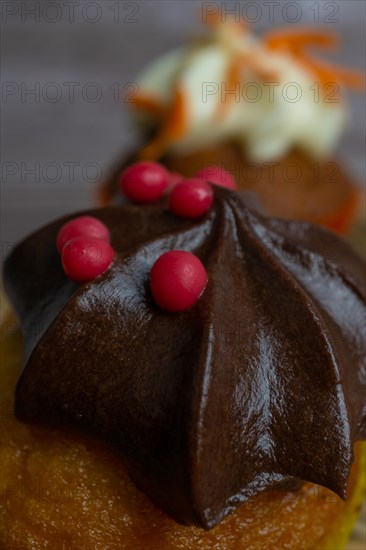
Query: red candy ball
{"points": [[191, 198], [83, 226], [177, 280], [218, 176], [85, 258], [144, 182]]}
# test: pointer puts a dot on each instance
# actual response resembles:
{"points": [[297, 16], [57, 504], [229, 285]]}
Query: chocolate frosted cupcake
{"points": [[265, 109], [193, 376]]}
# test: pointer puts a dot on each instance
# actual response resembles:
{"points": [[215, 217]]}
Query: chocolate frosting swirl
{"points": [[262, 381]]}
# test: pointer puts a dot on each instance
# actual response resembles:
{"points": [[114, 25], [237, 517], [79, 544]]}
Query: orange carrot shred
{"points": [[173, 129], [149, 103], [353, 79], [296, 41], [215, 19], [328, 73]]}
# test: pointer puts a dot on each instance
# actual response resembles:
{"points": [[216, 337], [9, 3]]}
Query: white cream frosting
{"points": [[267, 128]]}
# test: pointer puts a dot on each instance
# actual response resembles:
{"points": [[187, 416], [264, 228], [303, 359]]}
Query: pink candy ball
{"points": [[82, 226], [85, 258], [144, 182], [177, 280], [191, 199], [218, 176]]}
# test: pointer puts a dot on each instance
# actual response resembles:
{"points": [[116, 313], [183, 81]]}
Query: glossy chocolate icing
{"points": [[261, 382]]}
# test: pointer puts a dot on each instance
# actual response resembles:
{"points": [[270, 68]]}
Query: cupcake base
{"points": [[62, 491]]}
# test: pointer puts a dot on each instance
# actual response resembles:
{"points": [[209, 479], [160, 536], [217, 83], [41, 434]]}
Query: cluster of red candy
{"points": [[177, 278]]}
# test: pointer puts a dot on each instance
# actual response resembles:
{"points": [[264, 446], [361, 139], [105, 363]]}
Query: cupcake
{"points": [[264, 108], [192, 377]]}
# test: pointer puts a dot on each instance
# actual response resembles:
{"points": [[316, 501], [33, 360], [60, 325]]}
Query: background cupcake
{"points": [[266, 109]]}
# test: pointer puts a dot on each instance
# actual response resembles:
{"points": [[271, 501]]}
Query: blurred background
{"points": [[66, 65]]}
